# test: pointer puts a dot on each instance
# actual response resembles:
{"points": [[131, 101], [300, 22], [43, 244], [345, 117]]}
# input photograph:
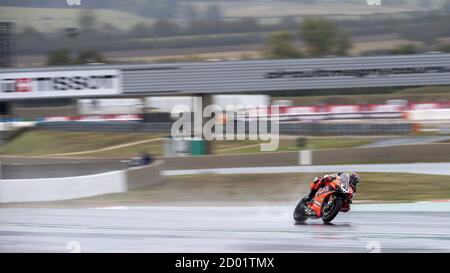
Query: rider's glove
{"points": [[328, 178]]}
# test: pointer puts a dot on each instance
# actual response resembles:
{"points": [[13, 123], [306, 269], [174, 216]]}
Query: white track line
{"points": [[107, 148], [417, 168]]}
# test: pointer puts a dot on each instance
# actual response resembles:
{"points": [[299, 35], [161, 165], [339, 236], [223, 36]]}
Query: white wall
{"points": [[435, 114], [244, 100], [51, 189], [8, 126], [109, 106], [164, 104]]}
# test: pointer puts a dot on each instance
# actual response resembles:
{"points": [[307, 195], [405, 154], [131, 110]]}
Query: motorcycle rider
{"points": [[320, 182]]}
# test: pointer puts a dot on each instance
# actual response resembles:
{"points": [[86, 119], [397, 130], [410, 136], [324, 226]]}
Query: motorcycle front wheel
{"points": [[299, 212], [331, 209]]}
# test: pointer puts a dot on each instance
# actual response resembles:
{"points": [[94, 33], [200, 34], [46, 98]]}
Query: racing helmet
{"points": [[354, 179]]}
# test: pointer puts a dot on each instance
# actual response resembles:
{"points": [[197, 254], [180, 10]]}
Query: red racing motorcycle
{"points": [[327, 202]]}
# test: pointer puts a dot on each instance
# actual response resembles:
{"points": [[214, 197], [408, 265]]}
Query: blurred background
{"points": [[52, 32], [88, 88], [134, 51]]}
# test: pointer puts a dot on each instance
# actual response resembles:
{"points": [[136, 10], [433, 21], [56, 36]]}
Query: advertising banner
{"points": [[54, 84]]}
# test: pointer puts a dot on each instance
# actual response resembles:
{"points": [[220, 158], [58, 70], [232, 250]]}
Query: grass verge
{"points": [[43, 142], [260, 189], [52, 19], [314, 143]]}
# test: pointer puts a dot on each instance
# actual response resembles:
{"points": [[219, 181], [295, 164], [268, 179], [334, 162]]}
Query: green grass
{"points": [[314, 143], [155, 148], [42, 142], [258, 189], [50, 19], [334, 143], [287, 187], [403, 187]]}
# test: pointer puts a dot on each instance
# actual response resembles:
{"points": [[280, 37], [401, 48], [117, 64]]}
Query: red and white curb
{"points": [[433, 201]]}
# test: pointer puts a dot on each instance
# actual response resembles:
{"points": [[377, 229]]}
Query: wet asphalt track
{"points": [[423, 228]]}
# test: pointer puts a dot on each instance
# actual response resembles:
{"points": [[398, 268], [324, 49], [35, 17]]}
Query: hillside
{"points": [[51, 19]]}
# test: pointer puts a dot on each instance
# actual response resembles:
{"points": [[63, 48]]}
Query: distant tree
{"points": [[404, 49], [318, 35], [90, 56], [322, 37], [280, 45], [342, 44], [444, 48], [59, 57], [213, 13]]}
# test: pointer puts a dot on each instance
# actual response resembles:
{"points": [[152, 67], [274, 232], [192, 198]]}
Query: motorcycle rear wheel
{"points": [[299, 212], [328, 214]]}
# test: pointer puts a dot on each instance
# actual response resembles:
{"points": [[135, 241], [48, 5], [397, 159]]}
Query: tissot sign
{"points": [[82, 83]]}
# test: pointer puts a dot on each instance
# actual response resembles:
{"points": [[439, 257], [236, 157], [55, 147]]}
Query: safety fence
{"points": [[284, 128], [105, 126], [346, 129]]}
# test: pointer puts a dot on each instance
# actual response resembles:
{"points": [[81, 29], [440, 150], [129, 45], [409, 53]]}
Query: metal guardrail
{"points": [[291, 128], [105, 126], [348, 129]]}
